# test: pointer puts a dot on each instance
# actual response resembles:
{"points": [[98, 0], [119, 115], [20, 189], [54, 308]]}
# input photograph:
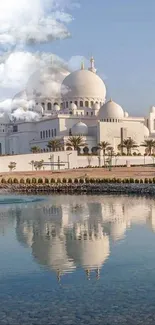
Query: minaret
{"points": [[92, 65], [82, 65]]}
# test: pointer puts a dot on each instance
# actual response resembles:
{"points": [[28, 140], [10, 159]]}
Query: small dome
{"points": [[83, 84], [146, 131], [111, 110], [79, 128], [38, 109], [56, 107], [4, 118], [126, 114], [152, 109], [96, 106], [73, 106]]}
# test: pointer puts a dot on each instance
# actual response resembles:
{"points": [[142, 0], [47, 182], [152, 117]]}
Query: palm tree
{"points": [[75, 142], [54, 144], [103, 146], [129, 144], [35, 149], [149, 145]]}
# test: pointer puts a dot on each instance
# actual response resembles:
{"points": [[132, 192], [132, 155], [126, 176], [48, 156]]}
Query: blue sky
{"points": [[120, 35]]}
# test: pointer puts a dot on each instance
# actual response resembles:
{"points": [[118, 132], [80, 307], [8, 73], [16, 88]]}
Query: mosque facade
{"points": [[80, 108]]}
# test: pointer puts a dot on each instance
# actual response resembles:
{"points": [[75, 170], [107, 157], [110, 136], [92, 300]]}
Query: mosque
{"points": [[80, 108]]}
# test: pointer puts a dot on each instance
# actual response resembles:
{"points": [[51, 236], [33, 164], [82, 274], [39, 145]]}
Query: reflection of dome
{"points": [[84, 84], [146, 131], [79, 128], [117, 230], [21, 95], [52, 252], [111, 110], [89, 253]]}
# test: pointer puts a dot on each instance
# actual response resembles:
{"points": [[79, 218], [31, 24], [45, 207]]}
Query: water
{"points": [[77, 260]]}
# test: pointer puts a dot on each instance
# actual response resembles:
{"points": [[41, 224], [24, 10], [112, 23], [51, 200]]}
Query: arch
{"points": [[69, 148], [66, 104], [91, 103], [49, 133], [86, 150], [49, 106], [94, 150], [81, 103], [46, 134], [56, 103], [76, 103], [43, 134], [86, 103], [79, 151]]}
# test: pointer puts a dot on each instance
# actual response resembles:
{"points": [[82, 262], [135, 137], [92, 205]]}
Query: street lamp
{"points": [[68, 161]]}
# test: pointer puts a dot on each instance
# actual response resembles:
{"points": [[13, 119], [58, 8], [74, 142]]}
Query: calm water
{"points": [[77, 260]]}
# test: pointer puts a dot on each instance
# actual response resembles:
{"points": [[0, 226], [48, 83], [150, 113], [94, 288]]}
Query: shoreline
{"points": [[103, 188]]}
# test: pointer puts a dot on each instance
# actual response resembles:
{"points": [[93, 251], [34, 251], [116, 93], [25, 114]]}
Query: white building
{"points": [[80, 108]]}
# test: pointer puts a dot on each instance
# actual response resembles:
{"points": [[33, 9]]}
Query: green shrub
{"points": [[114, 180], [76, 181], [118, 180], [52, 180], [92, 180], [58, 181], [64, 180], [69, 181], [137, 181], [9, 180], [81, 180], [40, 181], [3, 181], [131, 180], [127, 181], [34, 181], [154, 180], [46, 181], [141, 181], [28, 181], [150, 181], [87, 180], [146, 180], [15, 181], [22, 181]]}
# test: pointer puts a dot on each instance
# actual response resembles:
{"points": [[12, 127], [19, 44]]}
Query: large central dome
{"points": [[83, 84]]}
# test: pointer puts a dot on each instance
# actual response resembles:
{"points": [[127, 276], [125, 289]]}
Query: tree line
{"points": [[76, 142]]}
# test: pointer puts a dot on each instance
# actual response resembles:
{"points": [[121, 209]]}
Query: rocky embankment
{"points": [[140, 189]]}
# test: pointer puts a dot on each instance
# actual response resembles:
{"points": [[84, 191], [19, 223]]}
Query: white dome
{"points": [[57, 107], [146, 131], [73, 106], [83, 84], [111, 110], [79, 128], [152, 109], [96, 106], [126, 114]]}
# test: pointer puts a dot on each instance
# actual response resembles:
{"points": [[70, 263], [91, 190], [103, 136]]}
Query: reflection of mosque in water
{"points": [[65, 232]]}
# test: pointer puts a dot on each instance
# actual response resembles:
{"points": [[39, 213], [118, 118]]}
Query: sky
{"points": [[118, 33]]}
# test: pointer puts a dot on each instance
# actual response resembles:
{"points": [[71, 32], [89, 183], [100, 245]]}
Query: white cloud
{"points": [[32, 21]]}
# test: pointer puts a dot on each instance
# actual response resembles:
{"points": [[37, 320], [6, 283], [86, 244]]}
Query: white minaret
{"points": [[92, 65]]}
